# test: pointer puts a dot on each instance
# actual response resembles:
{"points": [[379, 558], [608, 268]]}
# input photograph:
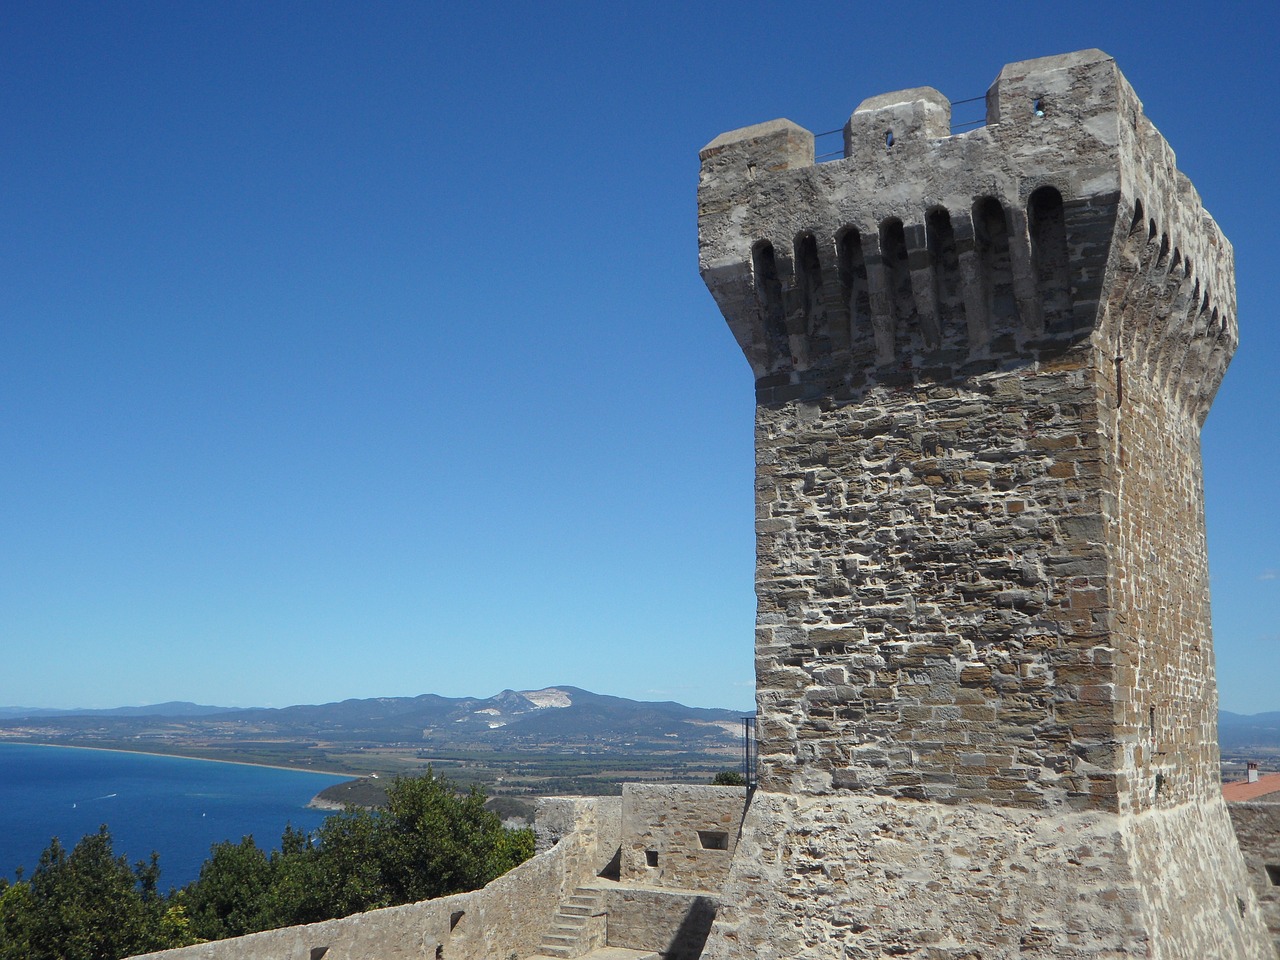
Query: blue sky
{"points": [[358, 350]]}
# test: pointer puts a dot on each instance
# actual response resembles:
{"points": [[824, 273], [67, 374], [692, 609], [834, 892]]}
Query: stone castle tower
{"points": [[985, 679]]}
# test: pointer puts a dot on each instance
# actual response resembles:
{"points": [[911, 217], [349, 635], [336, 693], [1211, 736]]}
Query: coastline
{"points": [[181, 756]]}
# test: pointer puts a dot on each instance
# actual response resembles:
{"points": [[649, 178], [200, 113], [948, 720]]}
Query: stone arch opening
{"points": [[809, 281], [948, 286], [995, 267], [854, 291], [1046, 222], [768, 288], [893, 251]]}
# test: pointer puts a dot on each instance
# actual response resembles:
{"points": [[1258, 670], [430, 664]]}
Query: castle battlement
{"points": [[923, 255]]}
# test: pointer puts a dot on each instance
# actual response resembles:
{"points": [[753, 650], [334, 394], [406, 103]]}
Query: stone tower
{"points": [[985, 684]]}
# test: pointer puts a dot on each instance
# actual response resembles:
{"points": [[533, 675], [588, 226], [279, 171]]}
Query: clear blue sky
{"points": [[357, 350]]}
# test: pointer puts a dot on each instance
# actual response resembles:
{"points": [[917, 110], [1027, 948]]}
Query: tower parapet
{"points": [[927, 256], [982, 362]]}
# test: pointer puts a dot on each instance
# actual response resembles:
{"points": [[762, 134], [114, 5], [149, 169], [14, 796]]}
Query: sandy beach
{"points": [[184, 756]]}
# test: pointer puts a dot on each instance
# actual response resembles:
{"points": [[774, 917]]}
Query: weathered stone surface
{"points": [[666, 921], [679, 836], [855, 877], [982, 362], [1257, 827]]}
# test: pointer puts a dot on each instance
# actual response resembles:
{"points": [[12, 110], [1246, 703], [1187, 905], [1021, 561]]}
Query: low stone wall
{"points": [[672, 923], [597, 821], [680, 836], [1257, 826], [504, 921]]}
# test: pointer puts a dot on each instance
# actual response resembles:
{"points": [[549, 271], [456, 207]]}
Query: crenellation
{"points": [[890, 120], [915, 270]]}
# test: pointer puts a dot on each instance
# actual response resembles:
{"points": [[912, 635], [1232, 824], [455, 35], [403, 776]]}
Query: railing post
{"points": [[749, 751]]}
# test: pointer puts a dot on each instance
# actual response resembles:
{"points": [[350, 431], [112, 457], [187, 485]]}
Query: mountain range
{"points": [[564, 717], [1237, 731]]}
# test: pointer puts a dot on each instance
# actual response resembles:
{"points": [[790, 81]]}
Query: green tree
{"points": [[428, 841], [296, 894], [347, 870], [85, 905], [16, 908], [435, 841], [729, 778], [230, 896]]}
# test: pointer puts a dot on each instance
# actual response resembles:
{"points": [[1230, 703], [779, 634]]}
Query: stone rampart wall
{"points": [[931, 584], [506, 920], [1164, 744]]}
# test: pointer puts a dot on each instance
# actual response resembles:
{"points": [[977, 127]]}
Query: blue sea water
{"points": [[177, 807]]}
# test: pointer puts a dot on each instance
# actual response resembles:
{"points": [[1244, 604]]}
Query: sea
{"points": [[176, 807]]}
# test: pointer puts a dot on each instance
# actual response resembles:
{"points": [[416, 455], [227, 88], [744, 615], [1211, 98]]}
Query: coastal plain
{"points": [[555, 741]]}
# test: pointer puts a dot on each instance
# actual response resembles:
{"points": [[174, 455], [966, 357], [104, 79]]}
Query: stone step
{"points": [[559, 931]]}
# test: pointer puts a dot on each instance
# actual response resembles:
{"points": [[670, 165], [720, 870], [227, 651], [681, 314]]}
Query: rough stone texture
{"points": [[596, 822], [680, 829], [672, 923], [982, 362], [1257, 826], [879, 877]]}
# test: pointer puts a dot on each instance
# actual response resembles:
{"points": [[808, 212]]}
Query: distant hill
{"points": [[554, 717], [564, 717], [174, 708], [1238, 731]]}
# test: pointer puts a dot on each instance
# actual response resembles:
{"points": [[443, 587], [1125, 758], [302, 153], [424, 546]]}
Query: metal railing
{"points": [[750, 751]]}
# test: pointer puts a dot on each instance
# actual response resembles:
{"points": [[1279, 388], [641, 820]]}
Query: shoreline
{"points": [[183, 756]]}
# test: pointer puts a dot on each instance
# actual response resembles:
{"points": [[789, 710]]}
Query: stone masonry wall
{"points": [[673, 923], [1159, 334], [679, 836], [930, 589]]}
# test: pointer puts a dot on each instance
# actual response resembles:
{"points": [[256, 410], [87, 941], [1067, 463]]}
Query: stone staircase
{"points": [[579, 931], [578, 928]]}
